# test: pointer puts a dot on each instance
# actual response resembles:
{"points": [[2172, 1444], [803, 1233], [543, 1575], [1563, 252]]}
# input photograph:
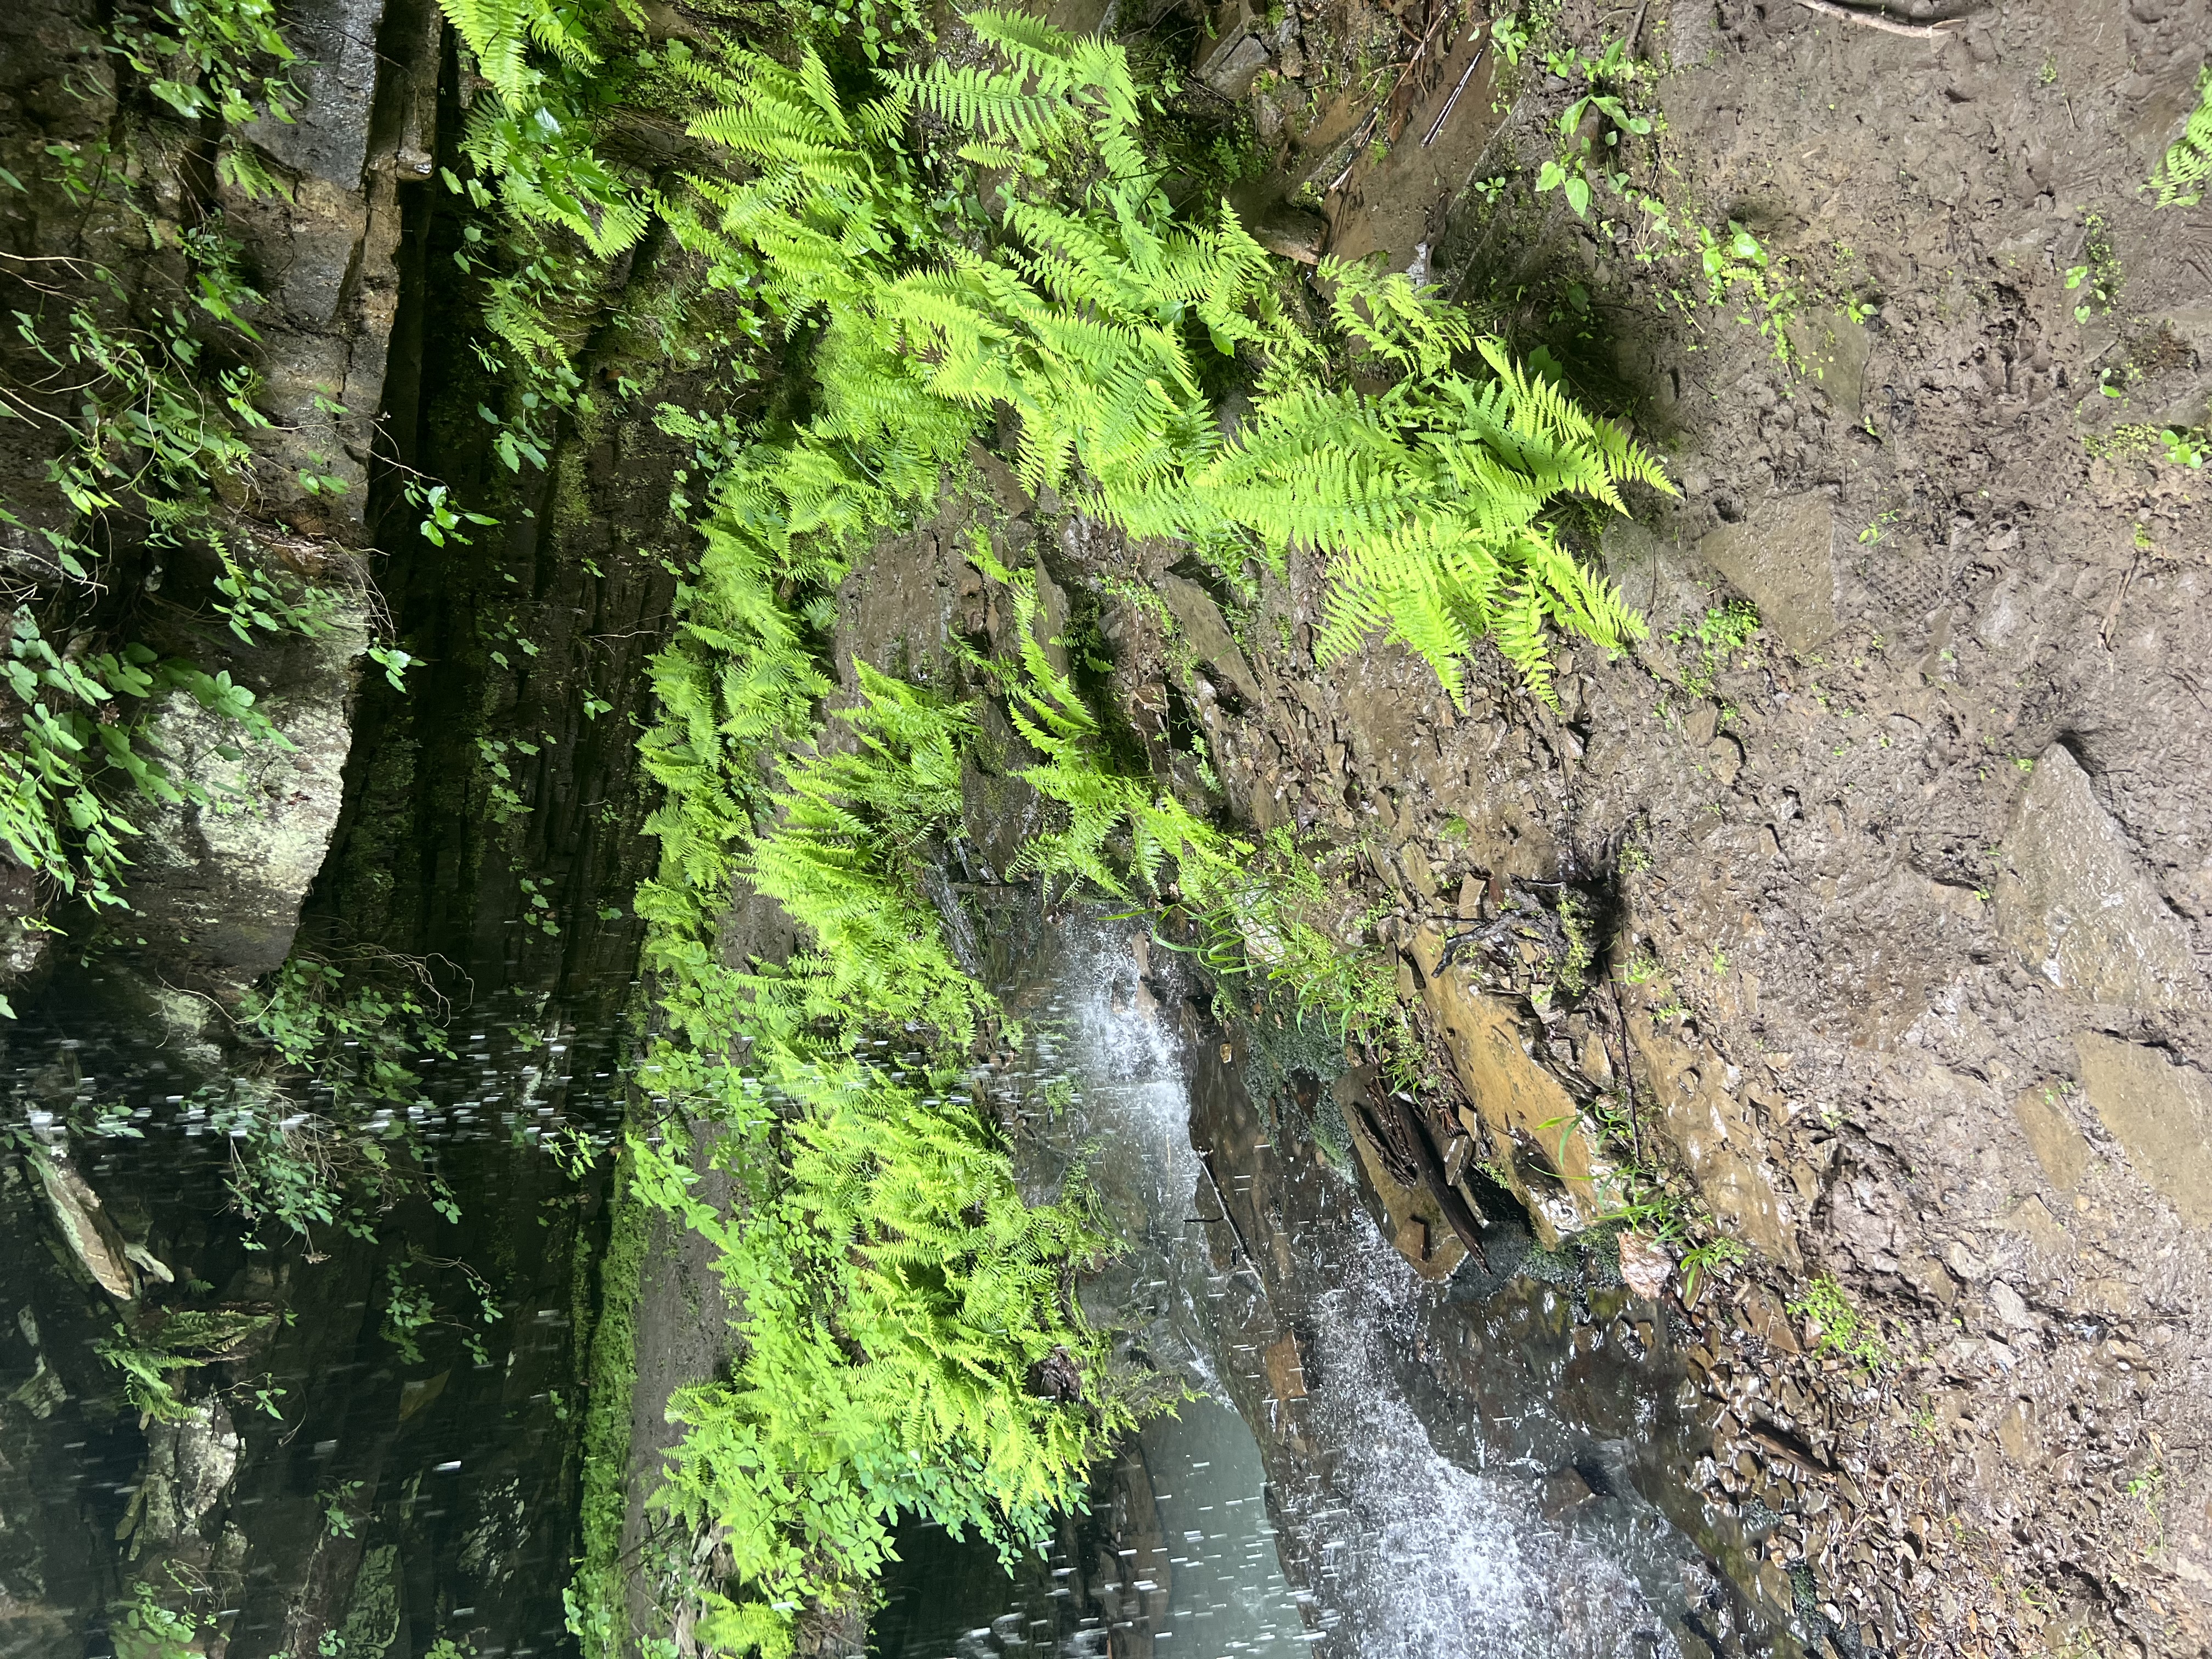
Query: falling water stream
{"points": [[1411, 1554]]}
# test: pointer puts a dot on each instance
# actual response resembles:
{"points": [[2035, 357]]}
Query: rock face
{"points": [[1781, 558], [218, 888], [1529, 1125], [1713, 1127], [2161, 1113], [2075, 901], [1203, 625]]}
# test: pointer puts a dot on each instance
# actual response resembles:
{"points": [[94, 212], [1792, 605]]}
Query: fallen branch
{"points": [[1444, 114], [1872, 21]]}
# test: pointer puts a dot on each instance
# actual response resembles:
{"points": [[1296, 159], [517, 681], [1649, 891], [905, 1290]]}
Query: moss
{"points": [[372, 1621], [596, 1593], [572, 504]]}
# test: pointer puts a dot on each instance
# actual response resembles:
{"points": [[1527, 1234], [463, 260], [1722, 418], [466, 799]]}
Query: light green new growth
{"points": [[1425, 501], [2181, 173], [898, 1298], [1843, 1329], [840, 865], [1255, 908], [897, 1292]]}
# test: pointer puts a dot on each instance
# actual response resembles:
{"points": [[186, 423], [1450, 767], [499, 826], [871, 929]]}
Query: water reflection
{"points": [[368, 1439]]}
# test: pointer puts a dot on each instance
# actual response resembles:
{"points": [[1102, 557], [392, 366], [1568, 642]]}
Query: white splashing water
{"points": [[1420, 1558], [1431, 1561]]}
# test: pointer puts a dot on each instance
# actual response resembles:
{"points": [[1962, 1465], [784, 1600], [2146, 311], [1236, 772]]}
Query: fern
{"points": [[1426, 504], [2180, 175], [895, 1288]]}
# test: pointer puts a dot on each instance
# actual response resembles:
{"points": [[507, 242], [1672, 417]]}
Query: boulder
{"points": [[218, 887]]}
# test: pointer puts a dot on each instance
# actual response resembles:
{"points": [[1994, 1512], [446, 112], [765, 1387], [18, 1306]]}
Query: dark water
{"points": [[386, 1454], [1366, 1464]]}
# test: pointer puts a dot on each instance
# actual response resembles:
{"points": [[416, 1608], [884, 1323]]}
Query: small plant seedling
{"points": [[1607, 78], [2099, 271], [1843, 1329]]}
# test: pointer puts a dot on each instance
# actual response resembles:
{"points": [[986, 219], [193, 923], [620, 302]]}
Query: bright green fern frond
{"points": [[2180, 176]]}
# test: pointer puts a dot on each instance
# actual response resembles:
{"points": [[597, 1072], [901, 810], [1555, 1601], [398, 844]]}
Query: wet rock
{"points": [[219, 886], [2057, 1144], [84, 1225], [373, 1611], [1713, 1130], [2076, 904], [187, 1473], [1202, 624], [895, 611], [1411, 1218], [1286, 1377], [1056, 1377], [1836, 350], [1564, 1493], [1052, 614], [2011, 1307], [2160, 1112], [1765, 1319], [1284, 231], [1520, 1111], [1418, 876], [1781, 559], [1645, 1265], [1234, 65], [1469, 905], [328, 136], [2032, 1218]]}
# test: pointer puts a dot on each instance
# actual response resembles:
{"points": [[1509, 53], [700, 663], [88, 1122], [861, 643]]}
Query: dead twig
{"points": [[1367, 127], [1874, 20], [1206, 1163], [1444, 114]]}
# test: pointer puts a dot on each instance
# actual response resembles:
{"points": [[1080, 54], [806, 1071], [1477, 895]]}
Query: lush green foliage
{"points": [[1425, 501], [2180, 175], [1840, 1327], [594, 1597], [840, 863], [897, 1292], [145, 411], [1606, 82], [54, 816], [1259, 912], [224, 58]]}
